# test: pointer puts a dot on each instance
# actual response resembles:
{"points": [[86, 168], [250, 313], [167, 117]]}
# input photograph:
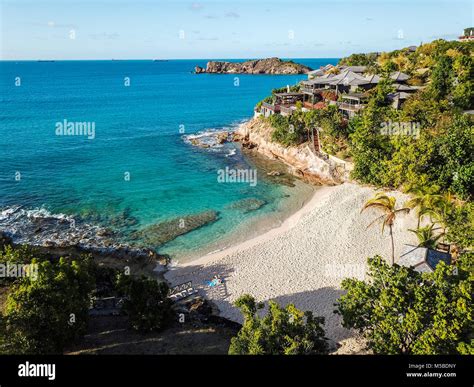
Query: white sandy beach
{"points": [[304, 260]]}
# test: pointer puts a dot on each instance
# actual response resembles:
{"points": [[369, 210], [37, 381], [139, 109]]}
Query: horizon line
{"points": [[158, 59]]}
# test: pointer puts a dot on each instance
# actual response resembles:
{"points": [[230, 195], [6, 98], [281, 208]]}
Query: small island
{"points": [[257, 66]]}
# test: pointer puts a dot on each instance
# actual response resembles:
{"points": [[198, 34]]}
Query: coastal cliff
{"points": [[258, 66], [301, 160]]}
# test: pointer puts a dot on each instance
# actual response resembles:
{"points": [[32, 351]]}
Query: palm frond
{"points": [[375, 221]]}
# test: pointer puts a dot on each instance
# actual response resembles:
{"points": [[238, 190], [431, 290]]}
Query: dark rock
{"points": [[222, 137], [103, 232], [160, 233], [200, 306], [247, 205], [5, 240], [199, 70]]}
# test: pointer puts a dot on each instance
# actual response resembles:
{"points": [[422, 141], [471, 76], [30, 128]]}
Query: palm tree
{"points": [[423, 199], [387, 204], [440, 211], [426, 236]]}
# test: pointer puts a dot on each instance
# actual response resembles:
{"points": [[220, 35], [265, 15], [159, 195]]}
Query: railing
{"points": [[311, 90], [270, 106], [349, 106]]}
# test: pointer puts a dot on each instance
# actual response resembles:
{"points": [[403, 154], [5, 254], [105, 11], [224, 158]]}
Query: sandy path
{"points": [[304, 260]]}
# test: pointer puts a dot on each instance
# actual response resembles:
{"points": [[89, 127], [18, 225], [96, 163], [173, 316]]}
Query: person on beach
{"points": [[216, 280]]}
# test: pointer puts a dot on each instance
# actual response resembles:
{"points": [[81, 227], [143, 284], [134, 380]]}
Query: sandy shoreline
{"points": [[304, 260], [286, 225]]}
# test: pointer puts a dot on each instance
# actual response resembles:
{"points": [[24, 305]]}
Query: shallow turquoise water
{"points": [[137, 132]]}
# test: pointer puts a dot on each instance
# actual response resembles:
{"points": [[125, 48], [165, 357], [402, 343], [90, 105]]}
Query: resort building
{"points": [[320, 72], [422, 259], [354, 69], [329, 87], [468, 35], [398, 99], [284, 103], [351, 104], [268, 109], [401, 94], [346, 89], [349, 87], [399, 77]]}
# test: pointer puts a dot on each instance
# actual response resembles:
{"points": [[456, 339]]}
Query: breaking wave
{"points": [[40, 227]]}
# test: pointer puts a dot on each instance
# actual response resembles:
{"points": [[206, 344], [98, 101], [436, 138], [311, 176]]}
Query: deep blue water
{"points": [[137, 132]]}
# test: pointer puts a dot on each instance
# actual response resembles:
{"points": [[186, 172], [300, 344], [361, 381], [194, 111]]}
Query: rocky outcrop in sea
{"points": [[163, 232], [122, 239], [247, 205], [257, 66]]}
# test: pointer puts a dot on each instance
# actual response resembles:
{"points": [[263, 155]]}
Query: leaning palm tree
{"points": [[386, 204], [423, 200], [427, 237]]}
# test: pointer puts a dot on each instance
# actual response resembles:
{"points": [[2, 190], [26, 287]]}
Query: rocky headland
{"points": [[302, 161], [256, 66]]}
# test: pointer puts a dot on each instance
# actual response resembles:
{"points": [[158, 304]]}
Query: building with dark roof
{"points": [[422, 259]]}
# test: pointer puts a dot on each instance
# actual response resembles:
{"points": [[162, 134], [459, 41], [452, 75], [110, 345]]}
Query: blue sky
{"points": [[142, 29]]}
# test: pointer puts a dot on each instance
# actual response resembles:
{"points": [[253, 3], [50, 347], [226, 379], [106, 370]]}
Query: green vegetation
{"points": [[146, 303], [440, 151], [296, 128], [424, 200], [48, 310], [433, 159], [449, 221], [9, 255], [427, 237], [44, 314], [438, 147], [369, 60], [401, 311], [283, 331], [289, 130], [460, 225]]}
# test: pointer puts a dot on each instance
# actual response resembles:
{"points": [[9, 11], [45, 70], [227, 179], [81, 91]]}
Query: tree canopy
{"points": [[401, 311], [44, 314], [283, 331], [146, 303]]}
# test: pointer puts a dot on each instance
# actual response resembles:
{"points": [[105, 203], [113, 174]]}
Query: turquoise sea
{"points": [[139, 169]]}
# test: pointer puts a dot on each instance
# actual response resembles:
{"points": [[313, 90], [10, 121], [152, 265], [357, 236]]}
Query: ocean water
{"points": [[139, 169]]}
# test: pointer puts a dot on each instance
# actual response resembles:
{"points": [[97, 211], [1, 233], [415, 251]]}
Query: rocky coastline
{"points": [[302, 161]]}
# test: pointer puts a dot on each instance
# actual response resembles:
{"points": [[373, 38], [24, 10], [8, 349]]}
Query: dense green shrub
{"points": [[288, 130], [45, 314], [401, 311], [146, 303], [283, 331], [460, 225]]}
